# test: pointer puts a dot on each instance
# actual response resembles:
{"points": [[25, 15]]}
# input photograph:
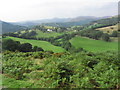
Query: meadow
{"points": [[47, 34], [93, 45], [43, 44], [108, 29]]}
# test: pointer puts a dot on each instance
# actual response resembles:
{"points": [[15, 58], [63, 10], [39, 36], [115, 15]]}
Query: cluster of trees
{"points": [[55, 29], [11, 45], [94, 34], [78, 28], [61, 29], [26, 34], [63, 43], [10, 34], [40, 27], [114, 34]]}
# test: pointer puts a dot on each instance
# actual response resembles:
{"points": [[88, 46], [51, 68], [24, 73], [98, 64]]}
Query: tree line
{"points": [[11, 45]]}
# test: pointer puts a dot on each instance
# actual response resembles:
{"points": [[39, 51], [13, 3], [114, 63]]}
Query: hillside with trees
{"points": [[8, 27], [46, 56]]}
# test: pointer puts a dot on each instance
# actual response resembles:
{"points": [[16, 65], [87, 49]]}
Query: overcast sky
{"points": [[22, 10]]}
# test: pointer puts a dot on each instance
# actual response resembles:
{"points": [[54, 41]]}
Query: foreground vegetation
{"points": [[58, 70]]}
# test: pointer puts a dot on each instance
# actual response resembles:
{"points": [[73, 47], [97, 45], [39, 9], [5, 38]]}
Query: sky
{"points": [[24, 10]]}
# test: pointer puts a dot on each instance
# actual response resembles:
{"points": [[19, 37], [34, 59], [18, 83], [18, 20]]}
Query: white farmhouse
{"points": [[49, 30]]}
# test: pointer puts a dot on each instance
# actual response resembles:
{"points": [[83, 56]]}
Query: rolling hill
{"points": [[109, 29], [8, 27], [93, 45], [66, 22], [43, 44], [106, 21]]}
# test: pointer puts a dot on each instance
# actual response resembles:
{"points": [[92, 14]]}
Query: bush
{"points": [[106, 37], [37, 49], [9, 44], [25, 47], [114, 34]]}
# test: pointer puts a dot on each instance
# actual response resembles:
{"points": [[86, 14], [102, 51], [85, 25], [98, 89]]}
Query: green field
{"points": [[93, 45], [43, 44], [108, 29], [50, 34], [47, 34]]}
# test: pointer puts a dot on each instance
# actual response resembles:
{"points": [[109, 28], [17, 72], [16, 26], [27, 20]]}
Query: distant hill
{"points": [[37, 22], [66, 22], [108, 21], [8, 27], [105, 22], [83, 18]]}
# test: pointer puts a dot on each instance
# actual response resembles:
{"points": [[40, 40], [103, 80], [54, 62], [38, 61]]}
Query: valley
{"points": [[62, 54]]}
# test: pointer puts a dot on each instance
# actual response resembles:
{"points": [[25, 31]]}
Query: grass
{"points": [[43, 44], [8, 82], [0, 79], [93, 45], [114, 39], [108, 29], [47, 34], [51, 34]]}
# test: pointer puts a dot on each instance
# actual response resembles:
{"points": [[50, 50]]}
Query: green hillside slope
{"points": [[93, 45], [43, 44]]}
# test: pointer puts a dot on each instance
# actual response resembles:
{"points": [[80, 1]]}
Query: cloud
{"points": [[21, 10]]}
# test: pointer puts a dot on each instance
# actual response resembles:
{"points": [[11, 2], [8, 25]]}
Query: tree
{"points": [[32, 33], [9, 44], [37, 48], [114, 34], [67, 45], [106, 37], [25, 47]]}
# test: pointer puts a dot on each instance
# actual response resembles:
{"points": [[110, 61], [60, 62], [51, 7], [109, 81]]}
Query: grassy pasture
{"points": [[43, 44], [93, 45], [51, 34], [114, 39], [108, 29], [47, 34]]}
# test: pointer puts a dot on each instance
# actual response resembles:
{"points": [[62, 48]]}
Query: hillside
{"points": [[59, 57], [47, 34], [93, 45], [109, 29], [65, 22], [43, 44], [8, 27], [84, 18], [37, 22], [106, 21]]}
